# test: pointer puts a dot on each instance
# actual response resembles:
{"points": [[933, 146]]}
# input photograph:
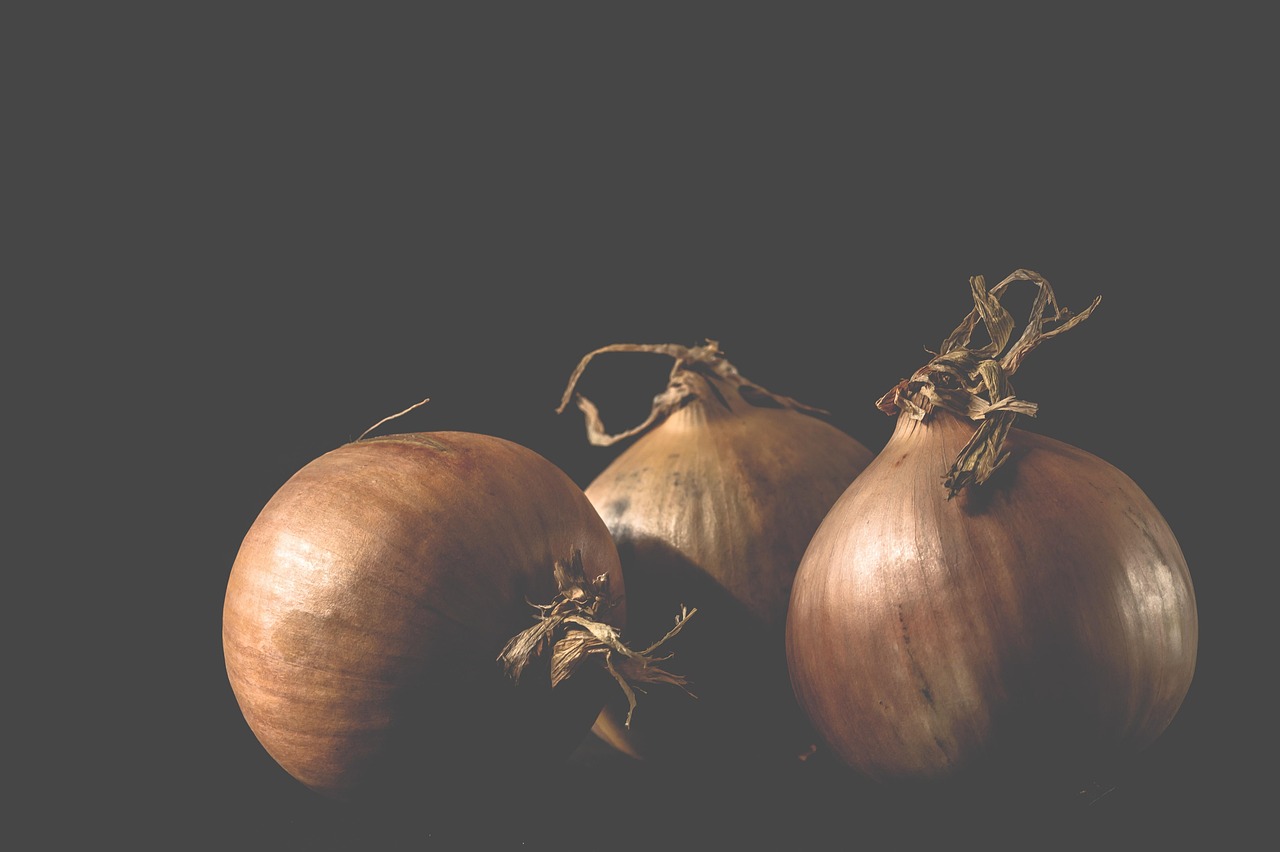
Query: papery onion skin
{"points": [[369, 601], [711, 508], [1041, 623]]}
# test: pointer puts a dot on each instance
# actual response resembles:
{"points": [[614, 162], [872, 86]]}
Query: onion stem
{"points": [[393, 417], [974, 382]]}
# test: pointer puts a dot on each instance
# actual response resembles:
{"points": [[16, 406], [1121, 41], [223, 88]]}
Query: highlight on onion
{"points": [[413, 613], [985, 602], [711, 508]]}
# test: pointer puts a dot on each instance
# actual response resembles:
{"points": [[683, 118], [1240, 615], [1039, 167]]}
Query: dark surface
{"points": [[250, 238]]}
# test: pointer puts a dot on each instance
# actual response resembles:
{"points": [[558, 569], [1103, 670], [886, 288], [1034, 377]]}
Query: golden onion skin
{"points": [[1043, 623], [370, 599], [711, 509]]}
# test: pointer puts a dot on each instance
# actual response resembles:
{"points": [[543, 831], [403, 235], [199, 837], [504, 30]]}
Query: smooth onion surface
{"points": [[712, 508], [369, 602]]}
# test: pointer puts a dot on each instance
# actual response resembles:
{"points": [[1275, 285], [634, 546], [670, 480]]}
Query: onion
{"points": [[378, 617], [984, 602], [711, 508]]}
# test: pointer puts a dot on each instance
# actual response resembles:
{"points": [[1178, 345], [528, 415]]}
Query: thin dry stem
{"points": [[392, 417], [706, 361]]}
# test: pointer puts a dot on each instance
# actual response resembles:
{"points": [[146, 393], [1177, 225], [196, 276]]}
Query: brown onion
{"points": [[711, 508], [371, 599], [984, 601]]}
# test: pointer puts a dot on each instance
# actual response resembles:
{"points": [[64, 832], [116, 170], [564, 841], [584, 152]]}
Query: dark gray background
{"points": [[252, 236]]}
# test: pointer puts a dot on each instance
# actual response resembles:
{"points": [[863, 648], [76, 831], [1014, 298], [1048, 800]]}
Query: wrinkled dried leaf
{"points": [[974, 383], [571, 628]]}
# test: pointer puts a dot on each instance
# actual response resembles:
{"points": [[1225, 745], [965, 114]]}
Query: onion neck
{"points": [[940, 425]]}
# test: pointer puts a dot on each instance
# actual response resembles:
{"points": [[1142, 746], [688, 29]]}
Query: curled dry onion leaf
{"points": [[974, 383], [711, 507], [571, 628], [984, 601]]}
